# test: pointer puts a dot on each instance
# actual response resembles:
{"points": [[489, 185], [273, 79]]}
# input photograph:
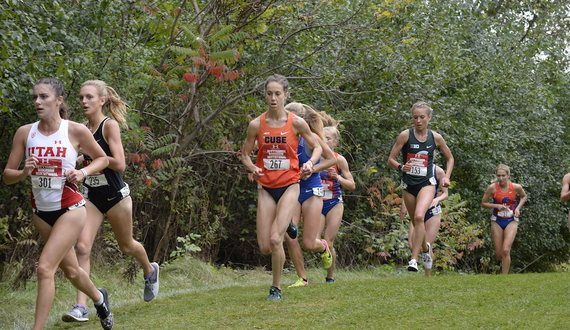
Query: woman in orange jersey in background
{"points": [[277, 171], [506, 212]]}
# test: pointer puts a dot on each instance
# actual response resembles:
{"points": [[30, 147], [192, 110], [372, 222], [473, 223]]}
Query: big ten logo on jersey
{"points": [[59, 152], [275, 139], [414, 146]]}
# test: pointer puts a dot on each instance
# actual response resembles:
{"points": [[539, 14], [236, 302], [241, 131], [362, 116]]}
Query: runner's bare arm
{"points": [[400, 142], [302, 128], [12, 173], [565, 193], [440, 142], [252, 131]]}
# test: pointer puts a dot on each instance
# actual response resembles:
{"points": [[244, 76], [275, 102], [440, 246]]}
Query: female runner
{"points": [[310, 201], [50, 147], [506, 212], [432, 220], [106, 192], [418, 145], [277, 171], [334, 178]]}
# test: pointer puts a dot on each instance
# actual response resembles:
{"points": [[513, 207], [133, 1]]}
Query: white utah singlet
{"points": [[50, 190]]}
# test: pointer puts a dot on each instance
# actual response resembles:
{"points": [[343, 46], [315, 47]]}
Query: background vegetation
{"points": [[496, 73]]}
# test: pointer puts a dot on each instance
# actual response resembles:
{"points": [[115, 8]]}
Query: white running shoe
{"points": [[78, 314], [151, 283], [426, 256], [413, 266]]}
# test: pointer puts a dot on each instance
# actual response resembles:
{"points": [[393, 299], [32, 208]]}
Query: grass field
{"points": [[196, 296]]}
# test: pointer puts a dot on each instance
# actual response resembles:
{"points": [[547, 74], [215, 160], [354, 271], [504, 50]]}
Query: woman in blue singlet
{"points": [[417, 145], [334, 178], [310, 201], [432, 220]]}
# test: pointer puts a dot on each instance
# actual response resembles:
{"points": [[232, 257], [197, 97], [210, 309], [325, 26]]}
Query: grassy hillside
{"points": [[196, 296]]}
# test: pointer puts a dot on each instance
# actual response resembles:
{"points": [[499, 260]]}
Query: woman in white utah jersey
{"points": [[50, 147]]}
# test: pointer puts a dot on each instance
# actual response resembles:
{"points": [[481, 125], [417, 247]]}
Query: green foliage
{"points": [[457, 238], [187, 246], [495, 73], [162, 145], [385, 234], [387, 226], [184, 51]]}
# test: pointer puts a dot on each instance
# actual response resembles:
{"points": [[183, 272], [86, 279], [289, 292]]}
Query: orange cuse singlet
{"points": [[277, 154]]}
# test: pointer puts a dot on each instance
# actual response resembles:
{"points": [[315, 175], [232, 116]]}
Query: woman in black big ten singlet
{"points": [[417, 145], [106, 192]]}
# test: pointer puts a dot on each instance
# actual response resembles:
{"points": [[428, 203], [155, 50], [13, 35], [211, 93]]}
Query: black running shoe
{"points": [[292, 230], [104, 311], [275, 294]]}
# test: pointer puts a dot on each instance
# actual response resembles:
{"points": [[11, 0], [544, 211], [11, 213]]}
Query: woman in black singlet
{"points": [[106, 192], [417, 145]]}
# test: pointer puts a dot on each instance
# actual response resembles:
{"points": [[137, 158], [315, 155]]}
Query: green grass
{"points": [[196, 296]]}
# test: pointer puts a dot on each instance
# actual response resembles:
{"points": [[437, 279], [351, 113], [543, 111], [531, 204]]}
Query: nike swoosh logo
{"points": [[110, 199], [429, 146], [283, 133], [98, 140], [266, 133], [308, 191]]}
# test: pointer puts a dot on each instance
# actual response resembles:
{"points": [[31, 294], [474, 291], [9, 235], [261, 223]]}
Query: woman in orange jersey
{"points": [[277, 171], [506, 212]]}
